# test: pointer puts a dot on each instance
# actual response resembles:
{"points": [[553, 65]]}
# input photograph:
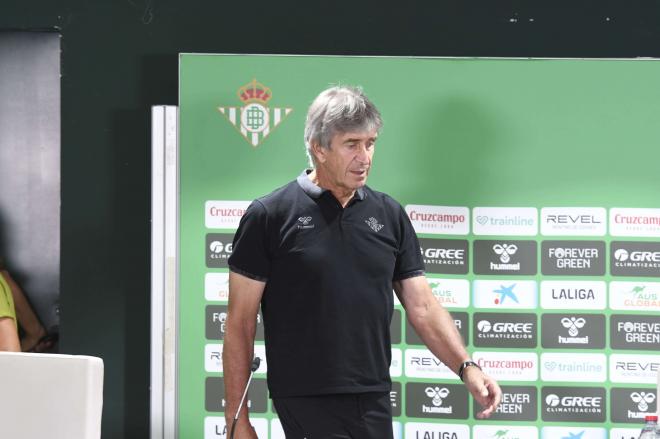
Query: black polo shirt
{"points": [[327, 303]]}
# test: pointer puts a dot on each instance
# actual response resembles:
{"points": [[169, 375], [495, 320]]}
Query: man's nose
{"points": [[362, 154]]}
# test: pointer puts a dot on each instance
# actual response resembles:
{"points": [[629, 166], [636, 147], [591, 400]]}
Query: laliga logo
{"points": [[437, 394], [573, 325], [254, 120], [505, 251], [642, 399]]}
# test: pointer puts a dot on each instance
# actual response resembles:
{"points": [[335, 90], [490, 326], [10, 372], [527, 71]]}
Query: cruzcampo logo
{"points": [[255, 120]]}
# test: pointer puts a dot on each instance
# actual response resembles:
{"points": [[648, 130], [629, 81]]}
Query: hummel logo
{"points": [[373, 223], [304, 222]]}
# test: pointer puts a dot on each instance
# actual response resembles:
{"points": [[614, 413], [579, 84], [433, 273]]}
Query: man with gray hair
{"points": [[321, 256]]}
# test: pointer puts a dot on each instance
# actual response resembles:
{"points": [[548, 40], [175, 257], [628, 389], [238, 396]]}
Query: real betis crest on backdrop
{"points": [[255, 120]]}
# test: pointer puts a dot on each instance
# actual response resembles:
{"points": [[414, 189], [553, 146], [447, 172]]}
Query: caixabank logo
{"points": [[255, 120], [573, 404], [573, 258], [635, 258], [519, 403], [517, 294], [573, 331], [505, 257], [445, 256], [632, 405], [434, 400], [218, 249], [504, 330], [635, 332]]}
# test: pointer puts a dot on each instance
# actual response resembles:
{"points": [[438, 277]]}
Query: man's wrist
{"points": [[464, 365]]}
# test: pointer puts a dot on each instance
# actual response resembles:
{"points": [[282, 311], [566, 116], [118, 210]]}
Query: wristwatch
{"points": [[465, 365]]}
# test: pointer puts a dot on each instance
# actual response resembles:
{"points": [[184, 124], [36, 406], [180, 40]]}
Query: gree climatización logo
{"points": [[573, 404]]}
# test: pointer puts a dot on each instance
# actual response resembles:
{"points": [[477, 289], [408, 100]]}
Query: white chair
{"points": [[50, 396]]}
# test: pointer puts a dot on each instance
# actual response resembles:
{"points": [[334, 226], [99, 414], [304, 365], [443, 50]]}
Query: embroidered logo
{"points": [[373, 223], [304, 222]]}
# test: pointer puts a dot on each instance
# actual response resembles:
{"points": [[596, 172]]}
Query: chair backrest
{"points": [[50, 395]]}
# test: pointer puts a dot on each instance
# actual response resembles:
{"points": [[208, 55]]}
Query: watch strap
{"points": [[465, 365]]}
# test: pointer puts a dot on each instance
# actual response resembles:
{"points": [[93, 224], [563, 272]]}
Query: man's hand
{"points": [[244, 429], [485, 390]]}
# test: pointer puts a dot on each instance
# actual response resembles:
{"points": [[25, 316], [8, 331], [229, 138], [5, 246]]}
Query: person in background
{"points": [[15, 310]]}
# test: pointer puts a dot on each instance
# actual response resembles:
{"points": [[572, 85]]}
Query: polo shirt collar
{"points": [[315, 191]]}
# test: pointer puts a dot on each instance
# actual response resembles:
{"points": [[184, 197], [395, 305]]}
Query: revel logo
{"points": [[218, 249], [573, 331], [573, 221], [505, 330], [445, 256], [575, 258], [634, 368], [635, 258], [635, 332], [572, 404], [632, 405], [505, 257]]}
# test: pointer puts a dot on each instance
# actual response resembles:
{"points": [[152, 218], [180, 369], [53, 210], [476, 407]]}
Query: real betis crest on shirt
{"points": [[255, 120]]}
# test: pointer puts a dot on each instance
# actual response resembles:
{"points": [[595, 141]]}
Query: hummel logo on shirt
{"points": [[373, 223], [304, 222]]}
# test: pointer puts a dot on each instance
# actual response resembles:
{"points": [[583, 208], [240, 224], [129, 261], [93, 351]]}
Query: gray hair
{"points": [[340, 109]]}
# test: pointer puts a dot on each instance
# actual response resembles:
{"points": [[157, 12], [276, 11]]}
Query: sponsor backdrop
{"points": [[530, 186]]}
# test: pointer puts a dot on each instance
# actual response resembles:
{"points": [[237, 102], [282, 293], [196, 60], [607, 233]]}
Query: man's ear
{"points": [[319, 152]]}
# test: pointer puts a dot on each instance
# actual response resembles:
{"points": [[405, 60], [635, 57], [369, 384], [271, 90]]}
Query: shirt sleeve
{"points": [[409, 262], [250, 256]]}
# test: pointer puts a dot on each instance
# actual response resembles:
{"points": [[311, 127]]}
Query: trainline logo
{"points": [[441, 220], [574, 367], [505, 221]]}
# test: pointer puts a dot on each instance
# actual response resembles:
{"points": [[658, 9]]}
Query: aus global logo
{"points": [[255, 120]]}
